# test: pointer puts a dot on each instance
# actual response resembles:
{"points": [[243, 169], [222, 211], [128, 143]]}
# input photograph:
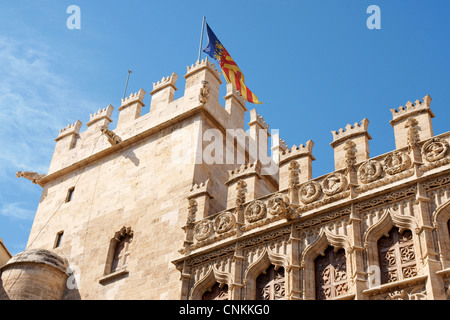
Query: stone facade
{"points": [[135, 208]]}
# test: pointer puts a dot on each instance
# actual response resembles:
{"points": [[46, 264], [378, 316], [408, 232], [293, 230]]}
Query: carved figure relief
{"points": [[255, 211], [350, 155], [270, 284], [294, 168], [204, 92], [113, 138], [334, 183], [397, 257], [370, 171], [192, 210], [331, 274], [396, 162], [310, 192], [203, 230], [278, 205], [224, 222], [240, 191], [434, 149]]}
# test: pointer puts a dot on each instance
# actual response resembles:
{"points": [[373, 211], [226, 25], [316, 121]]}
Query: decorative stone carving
{"points": [[294, 168], [331, 274], [204, 92], [350, 155], [270, 285], [334, 183], [240, 197], [113, 138], [412, 137], [255, 211], [224, 222], [203, 230], [192, 210], [416, 293], [310, 192], [278, 205], [32, 176], [370, 171], [434, 149], [396, 162]]}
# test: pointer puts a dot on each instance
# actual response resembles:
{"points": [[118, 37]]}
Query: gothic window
{"points": [[331, 274], [270, 284], [216, 293], [397, 257], [119, 251]]}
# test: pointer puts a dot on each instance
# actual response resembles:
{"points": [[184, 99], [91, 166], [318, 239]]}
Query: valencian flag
{"points": [[231, 71]]}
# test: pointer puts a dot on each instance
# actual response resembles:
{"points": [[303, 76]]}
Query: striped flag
{"points": [[230, 69]]}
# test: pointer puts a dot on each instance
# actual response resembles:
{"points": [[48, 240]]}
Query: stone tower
{"points": [[114, 202], [182, 203]]}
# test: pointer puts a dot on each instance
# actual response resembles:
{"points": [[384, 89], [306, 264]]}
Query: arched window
{"points": [[331, 274], [270, 284], [397, 257], [119, 251], [217, 292]]}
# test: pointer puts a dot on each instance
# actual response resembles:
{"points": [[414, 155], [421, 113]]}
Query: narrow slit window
{"points": [[58, 240], [70, 194]]}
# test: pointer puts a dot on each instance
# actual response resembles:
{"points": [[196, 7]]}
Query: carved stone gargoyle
{"points": [[112, 137], [32, 176], [204, 92]]}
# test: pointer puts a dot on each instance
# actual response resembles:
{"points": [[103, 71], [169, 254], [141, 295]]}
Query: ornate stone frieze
{"points": [[434, 149], [203, 230], [224, 222], [278, 205], [412, 293], [255, 211], [310, 191], [334, 183], [396, 162], [370, 171], [387, 198]]}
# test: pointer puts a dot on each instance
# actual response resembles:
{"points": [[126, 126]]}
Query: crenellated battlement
{"points": [[350, 131], [133, 98], [420, 113], [71, 129], [297, 152], [412, 108], [165, 82], [246, 169], [256, 118], [202, 64], [101, 114]]}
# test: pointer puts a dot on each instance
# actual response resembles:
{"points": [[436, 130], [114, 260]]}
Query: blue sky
{"points": [[315, 64]]}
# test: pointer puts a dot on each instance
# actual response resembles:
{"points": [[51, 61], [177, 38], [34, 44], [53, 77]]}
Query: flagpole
{"points": [[126, 85], [201, 39]]}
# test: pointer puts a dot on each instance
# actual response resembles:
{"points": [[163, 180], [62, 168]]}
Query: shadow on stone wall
{"points": [[3, 294]]}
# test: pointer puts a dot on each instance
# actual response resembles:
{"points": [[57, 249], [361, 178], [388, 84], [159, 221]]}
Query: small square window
{"points": [[70, 194]]}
